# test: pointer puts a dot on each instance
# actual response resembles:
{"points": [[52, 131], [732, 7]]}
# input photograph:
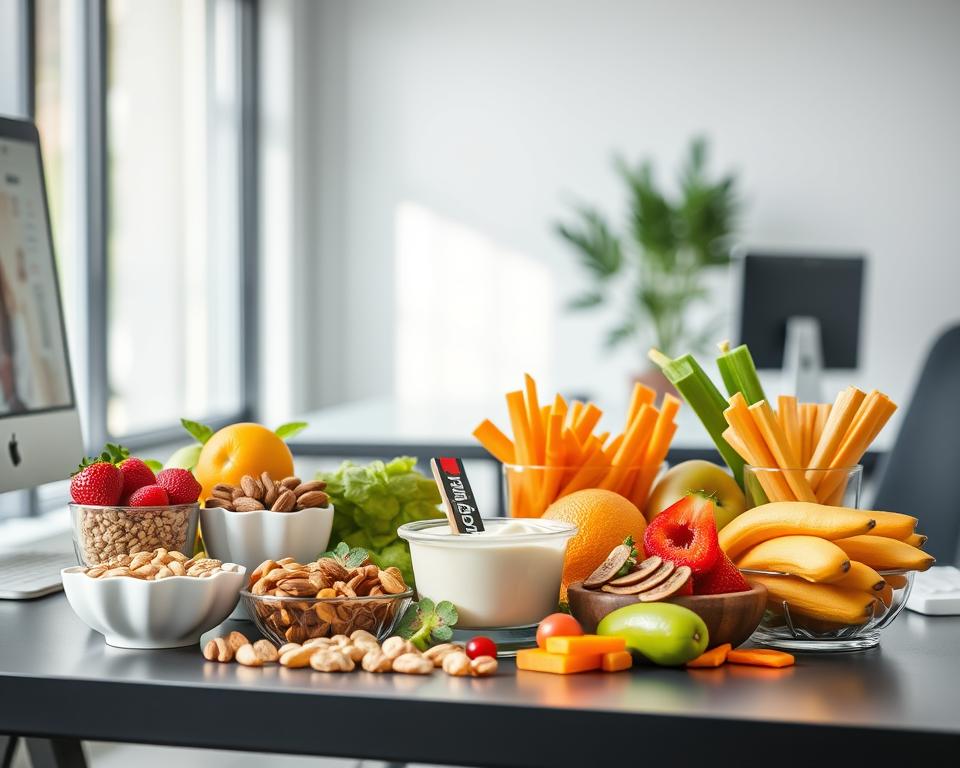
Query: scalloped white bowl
{"points": [[168, 613], [249, 538]]}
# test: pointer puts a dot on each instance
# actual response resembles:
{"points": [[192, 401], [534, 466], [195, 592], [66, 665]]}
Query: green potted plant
{"points": [[662, 256]]}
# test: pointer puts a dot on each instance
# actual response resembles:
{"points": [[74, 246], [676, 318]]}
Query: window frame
{"points": [[94, 217]]}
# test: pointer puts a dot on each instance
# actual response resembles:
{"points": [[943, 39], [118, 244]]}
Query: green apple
{"points": [[697, 475], [184, 458]]}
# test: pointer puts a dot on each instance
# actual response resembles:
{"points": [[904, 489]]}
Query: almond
{"points": [[285, 502], [290, 482], [247, 504], [392, 584], [312, 499], [251, 487], [216, 501], [312, 485]]}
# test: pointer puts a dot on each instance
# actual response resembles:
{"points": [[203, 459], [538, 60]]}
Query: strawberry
{"points": [[136, 474], [180, 484], [685, 533], [149, 496], [98, 484], [722, 578]]}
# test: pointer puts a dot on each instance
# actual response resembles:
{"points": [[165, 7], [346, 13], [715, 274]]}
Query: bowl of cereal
{"points": [[153, 599], [101, 534]]}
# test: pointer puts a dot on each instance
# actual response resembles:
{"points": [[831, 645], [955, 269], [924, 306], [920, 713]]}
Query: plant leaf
{"points": [[442, 633], [586, 300], [621, 333], [356, 557], [199, 432], [410, 622], [599, 248], [154, 465], [447, 612], [291, 429]]}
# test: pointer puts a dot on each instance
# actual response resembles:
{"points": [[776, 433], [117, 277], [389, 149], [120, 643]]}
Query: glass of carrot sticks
{"points": [[805, 451], [557, 448]]}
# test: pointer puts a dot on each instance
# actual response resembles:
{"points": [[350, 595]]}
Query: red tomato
{"points": [[557, 625], [481, 646]]}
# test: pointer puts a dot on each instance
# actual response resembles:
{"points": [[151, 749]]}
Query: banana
{"points": [[821, 601], [893, 525], [785, 518], [885, 554], [861, 577], [808, 557], [886, 595], [915, 540], [896, 580]]}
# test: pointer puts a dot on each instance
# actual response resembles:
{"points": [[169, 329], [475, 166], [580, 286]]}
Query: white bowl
{"points": [[249, 538], [166, 613]]}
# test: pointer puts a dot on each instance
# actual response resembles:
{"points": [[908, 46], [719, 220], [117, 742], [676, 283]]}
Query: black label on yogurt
{"points": [[458, 499]]}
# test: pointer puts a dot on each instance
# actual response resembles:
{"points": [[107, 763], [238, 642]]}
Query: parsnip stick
{"points": [[776, 441], [773, 483], [841, 416], [789, 420]]}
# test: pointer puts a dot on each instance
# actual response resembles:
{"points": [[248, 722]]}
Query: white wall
{"points": [[11, 98], [842, 119]]}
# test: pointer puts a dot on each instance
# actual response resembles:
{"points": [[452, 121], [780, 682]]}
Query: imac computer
{"points": [[802, 313]]}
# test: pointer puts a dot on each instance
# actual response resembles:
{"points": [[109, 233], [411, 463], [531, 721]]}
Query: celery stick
{"points": [[740, 374], [702, 395]]}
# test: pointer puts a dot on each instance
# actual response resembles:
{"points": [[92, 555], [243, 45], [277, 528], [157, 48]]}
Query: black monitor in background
{"points": [[781, 286]]}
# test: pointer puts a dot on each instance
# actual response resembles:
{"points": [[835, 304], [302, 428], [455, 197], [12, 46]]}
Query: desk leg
{"points": [[55, 753], [8, 745]]}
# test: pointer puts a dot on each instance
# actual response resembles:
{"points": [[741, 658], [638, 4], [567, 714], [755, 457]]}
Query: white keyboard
{"points": [[32, 574], [936, 592]]}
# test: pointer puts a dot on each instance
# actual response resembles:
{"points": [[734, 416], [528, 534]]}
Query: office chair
{"points": [[921, 476]]}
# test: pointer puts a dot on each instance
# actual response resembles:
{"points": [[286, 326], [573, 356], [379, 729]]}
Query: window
{"points": [[158, 311]]}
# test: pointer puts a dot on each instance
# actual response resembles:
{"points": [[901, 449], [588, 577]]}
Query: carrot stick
{"points": [[733, 438], [808, 415], [657, 448], [521, 427], [573, 413], [841, 416], [738, 416], [590, 471], [790, 423], [498, 444], [776, 441], [632, 450], [611, 450], [587, 420], [537, 436], [554, 459], [820, 421], [641, 395]]}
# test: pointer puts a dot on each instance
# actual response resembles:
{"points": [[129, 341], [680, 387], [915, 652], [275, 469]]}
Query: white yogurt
{"points": [[506, 576]]}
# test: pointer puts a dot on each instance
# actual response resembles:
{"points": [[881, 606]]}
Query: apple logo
{"points": [[14, 450]]}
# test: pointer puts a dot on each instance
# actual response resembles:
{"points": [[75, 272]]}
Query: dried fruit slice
{"points": [[654, 579], [685, 533], [677, 580], [608, 568], [643, 570]]}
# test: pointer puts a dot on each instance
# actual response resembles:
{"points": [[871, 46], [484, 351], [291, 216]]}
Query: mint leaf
{"points": [[442, 634], [409, 622], [447, 612], [342, 549], [290, 430], [356, 557], [199, 432], [155, 465]]}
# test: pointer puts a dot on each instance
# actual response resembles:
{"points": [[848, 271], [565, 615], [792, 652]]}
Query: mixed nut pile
{"points": [[341, 653], [106, 534], [651, 580], [155, 564], [327, 578], [263, 492]]}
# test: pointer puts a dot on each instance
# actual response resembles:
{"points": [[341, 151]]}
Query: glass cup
{"points": [[839, 487], [528, 489]]}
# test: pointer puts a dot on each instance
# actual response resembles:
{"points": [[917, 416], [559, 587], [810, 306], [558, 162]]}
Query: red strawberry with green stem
{"points": [[685, 534], [136, 475], [96, 484]]}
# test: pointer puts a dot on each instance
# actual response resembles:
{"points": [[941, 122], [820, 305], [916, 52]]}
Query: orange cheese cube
{"points": [[617, 661], [712, 658], [761, 657], [538, 660], [585, 645]]}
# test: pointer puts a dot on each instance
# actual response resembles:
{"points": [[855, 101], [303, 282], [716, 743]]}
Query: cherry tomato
{"points": [[481, 646], [557, 625]]}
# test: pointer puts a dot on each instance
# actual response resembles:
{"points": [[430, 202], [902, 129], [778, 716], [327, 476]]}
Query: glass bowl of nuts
{"points": [[292, 602], [103, 533]]}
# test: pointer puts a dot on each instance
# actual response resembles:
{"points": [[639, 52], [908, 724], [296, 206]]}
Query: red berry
{"points": [[557, 625], [136, 474], [481, 646], [149, 496], [685, 534], [722, 578], [97, 485], [181, 486]]}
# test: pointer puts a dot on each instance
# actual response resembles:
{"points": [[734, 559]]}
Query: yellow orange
{"points": [[604, 520], [238, 450]]}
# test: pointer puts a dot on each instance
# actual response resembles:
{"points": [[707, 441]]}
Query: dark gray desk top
{"points": [[58, 678]]}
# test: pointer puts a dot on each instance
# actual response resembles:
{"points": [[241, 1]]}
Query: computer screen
{"points": [[34, 368], [779, 286]]}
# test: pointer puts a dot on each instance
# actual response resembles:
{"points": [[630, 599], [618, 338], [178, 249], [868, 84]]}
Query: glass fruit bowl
{"points": [[286, 619], [102, 533], [791, 622]]}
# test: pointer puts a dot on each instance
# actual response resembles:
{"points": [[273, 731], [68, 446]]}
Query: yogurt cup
{"points": [[507, 576]]}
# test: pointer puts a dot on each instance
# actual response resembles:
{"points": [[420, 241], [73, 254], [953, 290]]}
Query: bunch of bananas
{"points": [[831, 557]]}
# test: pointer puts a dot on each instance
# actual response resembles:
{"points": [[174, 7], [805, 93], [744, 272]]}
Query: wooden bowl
{"points": [[730, 618]]}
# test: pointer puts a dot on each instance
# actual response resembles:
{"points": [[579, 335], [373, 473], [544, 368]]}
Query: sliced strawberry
{"points": [[149, 496], [722, 578], [98, 485], [685, 533], [136, 474]]}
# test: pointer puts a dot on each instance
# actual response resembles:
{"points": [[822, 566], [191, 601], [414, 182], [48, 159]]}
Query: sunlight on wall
{"points": [[472, 315]]}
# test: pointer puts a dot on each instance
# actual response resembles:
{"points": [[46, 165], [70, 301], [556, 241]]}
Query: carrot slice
{"points": [[761, 657], [641, 395], [517, 408], [537, 436], [616, 661], [587, 421], [498, 444], [712, 658]]}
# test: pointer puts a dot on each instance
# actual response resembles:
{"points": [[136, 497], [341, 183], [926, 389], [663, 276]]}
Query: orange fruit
{"points": [[238, 450], [604, 519]]}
